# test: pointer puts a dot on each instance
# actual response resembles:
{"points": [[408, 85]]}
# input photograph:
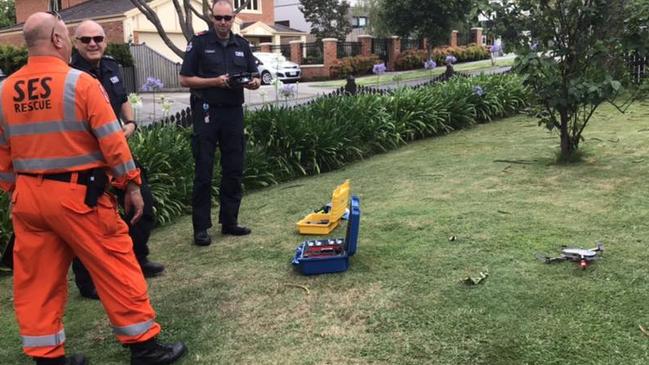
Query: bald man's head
{"points": [[47, 35], [90, 41], [38, 28], [89, 26]]}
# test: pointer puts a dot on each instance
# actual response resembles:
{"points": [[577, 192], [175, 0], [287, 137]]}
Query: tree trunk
{"points": [[567, 146]]}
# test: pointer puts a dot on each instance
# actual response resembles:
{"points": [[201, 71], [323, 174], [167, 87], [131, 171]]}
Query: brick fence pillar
{"points": [[453, 40], [296, 51], [424, 43], [477, 35], [265, 47], [394, 49], [366, 44], [330, 50]]}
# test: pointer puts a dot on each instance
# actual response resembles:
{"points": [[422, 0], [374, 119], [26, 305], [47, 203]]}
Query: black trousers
{"points": [[223, 128], [139, 232]]}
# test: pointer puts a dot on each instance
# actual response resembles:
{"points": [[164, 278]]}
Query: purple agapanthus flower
{"points": [[288, 90], [450, 59], [379, 69], [534, 46], [430, 64], [477, 90], [152, 84]]}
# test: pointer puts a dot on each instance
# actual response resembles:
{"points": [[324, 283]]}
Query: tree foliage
{"points": [[7, 13], [433, 19], [571, 53], [186, 12], [328, 18]]}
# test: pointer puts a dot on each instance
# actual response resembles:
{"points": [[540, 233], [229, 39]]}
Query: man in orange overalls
{"points": [[59, 141]]}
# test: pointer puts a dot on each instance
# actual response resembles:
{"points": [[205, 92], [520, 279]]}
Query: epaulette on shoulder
{"points": [[242, 38], [109, 58]]}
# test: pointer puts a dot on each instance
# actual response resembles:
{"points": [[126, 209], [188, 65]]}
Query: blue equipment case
{"points": [[335, 261]]}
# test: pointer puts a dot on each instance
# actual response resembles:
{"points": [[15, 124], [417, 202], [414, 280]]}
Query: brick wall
{"points": [[13, 39], [313, 72], [25, 8], [267, 16], [70, 3]]}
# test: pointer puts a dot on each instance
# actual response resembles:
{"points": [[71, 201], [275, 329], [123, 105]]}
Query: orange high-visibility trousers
{"points": [[52, 224]]}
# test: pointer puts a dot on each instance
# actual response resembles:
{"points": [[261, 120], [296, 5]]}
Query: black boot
{"points": [[76, 359], [202, 238], [151, 352], [149, 268]]}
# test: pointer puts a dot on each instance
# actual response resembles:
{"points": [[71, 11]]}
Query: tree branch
{"points": [[151, 15]]}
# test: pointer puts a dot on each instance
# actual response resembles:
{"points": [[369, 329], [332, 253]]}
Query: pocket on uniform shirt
{"points": [[240, 64]]}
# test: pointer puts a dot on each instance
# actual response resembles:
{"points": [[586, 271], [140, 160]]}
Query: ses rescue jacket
{"points": [[54, 119]]}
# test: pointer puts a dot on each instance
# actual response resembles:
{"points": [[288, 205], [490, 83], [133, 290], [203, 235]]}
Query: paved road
{"points": [[254, 99], [150, 112]]}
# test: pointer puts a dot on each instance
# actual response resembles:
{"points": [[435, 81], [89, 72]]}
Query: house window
{"points": [[359, 22], [252, 5]]}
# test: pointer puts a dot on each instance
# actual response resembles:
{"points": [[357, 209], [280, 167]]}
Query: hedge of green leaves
{"points": [[286, 143]]}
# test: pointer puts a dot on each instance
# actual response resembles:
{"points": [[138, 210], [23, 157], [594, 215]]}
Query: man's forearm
{"points": [[196, 82], [127, 112]]}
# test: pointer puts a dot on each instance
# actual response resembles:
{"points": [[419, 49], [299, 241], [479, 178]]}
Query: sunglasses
{"points": [[58, 19], [86, 40], [218, 18]]}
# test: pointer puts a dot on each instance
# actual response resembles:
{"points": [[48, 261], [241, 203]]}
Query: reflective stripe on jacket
{"points": [[53, 119]]}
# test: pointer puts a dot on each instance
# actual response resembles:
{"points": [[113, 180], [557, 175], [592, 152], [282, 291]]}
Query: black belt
{"points": [[83, 177]]}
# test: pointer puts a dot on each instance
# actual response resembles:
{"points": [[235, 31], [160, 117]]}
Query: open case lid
{"points": [[353, 225]]}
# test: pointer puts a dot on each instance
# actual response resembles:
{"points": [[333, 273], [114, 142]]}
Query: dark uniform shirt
{"points": [[110, 77], [207, 57]]}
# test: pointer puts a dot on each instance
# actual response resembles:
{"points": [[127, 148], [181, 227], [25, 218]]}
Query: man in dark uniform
{"points": [[91, 45], [211, 58]]}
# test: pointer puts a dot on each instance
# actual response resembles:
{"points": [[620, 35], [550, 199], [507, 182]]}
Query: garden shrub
{"points": [[355, 66], [12, 58], [121, 52], [415, 58]]}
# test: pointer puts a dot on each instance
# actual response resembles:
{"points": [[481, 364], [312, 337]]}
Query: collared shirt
{"points": [[109, 76], [206, 57]]}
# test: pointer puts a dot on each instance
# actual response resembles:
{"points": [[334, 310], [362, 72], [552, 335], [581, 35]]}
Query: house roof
{"points": [[276, 27], [94, 9]]}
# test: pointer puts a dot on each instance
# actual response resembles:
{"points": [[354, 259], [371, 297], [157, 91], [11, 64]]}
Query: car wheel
{"points": [[266, 78]]}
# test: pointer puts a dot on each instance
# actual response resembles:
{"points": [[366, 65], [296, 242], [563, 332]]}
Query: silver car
{"points": [[274, 65]]}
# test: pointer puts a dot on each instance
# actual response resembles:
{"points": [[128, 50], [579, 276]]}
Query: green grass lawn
{"points": [[372, 80], [495, 187]]}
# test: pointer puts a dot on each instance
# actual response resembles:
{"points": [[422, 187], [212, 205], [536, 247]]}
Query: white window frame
{"points": [[250, 8]]}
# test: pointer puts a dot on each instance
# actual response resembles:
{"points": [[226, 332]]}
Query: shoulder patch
{"points": [[201, 33], [189, 46]]}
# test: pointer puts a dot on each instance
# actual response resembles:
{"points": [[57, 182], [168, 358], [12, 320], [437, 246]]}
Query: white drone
{"points": [[581, 255]]}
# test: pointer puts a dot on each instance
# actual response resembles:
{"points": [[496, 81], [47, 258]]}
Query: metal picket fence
{"points": [[312, 53], [638, 66], [284, 49], [380, 48], [348, 49]]}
